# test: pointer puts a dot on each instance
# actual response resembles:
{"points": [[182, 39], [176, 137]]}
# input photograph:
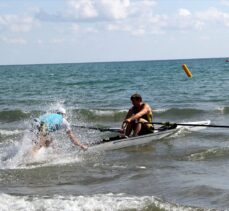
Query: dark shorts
{"points": [[146, 129]]}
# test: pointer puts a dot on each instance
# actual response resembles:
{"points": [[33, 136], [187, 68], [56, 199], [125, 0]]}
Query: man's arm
{"points": [[129, 114], [138, 115], [71, 135], [75, 140]]}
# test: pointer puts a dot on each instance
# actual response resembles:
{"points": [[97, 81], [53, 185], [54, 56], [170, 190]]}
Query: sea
{"points": [[186, 171]]}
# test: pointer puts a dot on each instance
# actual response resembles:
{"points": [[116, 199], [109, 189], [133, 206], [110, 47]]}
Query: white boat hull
{"points": [[132, 141], [140, 140]]}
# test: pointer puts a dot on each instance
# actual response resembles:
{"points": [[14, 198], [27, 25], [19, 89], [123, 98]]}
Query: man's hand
{"points": [[124, 125], [84, 147], [127, 120]]}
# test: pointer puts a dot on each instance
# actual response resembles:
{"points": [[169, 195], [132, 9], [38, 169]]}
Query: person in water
{"points": [[139, 118], [51, 122]]}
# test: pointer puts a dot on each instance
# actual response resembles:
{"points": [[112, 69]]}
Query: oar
{"points": [[98, 128], [187, 124]]}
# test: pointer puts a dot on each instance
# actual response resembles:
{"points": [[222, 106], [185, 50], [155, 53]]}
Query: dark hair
{"points": [[136, 96]]}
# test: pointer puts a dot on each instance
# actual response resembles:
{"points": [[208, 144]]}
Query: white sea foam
{"points": [[13, 156], [160, 110], [24, 159], [10, 132], [209, 154], [140, 167], [220, 109], [103, 202], [18, 155], [107, 112]]}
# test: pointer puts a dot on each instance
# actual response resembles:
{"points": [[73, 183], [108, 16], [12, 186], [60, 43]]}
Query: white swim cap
{"points": [[61, 110]]}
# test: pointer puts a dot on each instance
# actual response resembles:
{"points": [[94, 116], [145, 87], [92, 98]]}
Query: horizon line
{"points": [[121, 61]]}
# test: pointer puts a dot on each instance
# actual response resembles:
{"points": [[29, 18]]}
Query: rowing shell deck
{"points": [[139, 140]]}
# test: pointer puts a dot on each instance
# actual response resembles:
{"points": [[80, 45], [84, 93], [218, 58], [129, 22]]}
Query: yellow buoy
{"points": [[187, 71]]}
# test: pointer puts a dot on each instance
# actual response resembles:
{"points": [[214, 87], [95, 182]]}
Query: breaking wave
{"points": [[101, 202], [112, 115]]}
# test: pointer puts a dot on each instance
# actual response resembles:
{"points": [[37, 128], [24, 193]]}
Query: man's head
{"points": [[61, 111], [136, 96], [136, 99]]}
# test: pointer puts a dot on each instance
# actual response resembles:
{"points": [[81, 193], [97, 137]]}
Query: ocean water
{"points": [[187, 171]]}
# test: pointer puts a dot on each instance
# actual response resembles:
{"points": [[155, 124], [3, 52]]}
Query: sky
{"points": [[78, 31]]}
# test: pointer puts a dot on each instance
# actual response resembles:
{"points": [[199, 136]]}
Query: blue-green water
{"points": [[185, 171]]}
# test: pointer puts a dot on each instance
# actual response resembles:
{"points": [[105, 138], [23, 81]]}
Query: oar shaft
{"points": [[194, 125], [97, 128], [81, 126]]}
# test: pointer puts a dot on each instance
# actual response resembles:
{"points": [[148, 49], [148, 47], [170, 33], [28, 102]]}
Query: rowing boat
{"points": [[122, 142], [131, 141]]}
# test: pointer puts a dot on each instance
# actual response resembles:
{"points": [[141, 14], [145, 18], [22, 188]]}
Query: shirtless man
{"points": [[139, 118]]}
